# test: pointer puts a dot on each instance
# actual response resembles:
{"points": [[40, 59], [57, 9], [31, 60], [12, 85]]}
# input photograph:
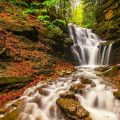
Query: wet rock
{"points": [[76, 87], [10, 109], [75, 98], [12, 83], [93, 84], [111, 72], [72, 108], [116, 94], [67, 95], [43, 86], [86, 80], [17, 103], [12, 115], [2, 111], [30, 94], [43, 92], [68, 72]]}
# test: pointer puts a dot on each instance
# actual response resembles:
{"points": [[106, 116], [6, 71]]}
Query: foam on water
{"points": [[99, 100]]}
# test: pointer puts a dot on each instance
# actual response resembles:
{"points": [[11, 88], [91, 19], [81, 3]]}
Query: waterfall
{"points": [[88, 48]]}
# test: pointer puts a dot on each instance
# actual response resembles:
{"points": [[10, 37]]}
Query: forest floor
{"points": [[26, 49]]}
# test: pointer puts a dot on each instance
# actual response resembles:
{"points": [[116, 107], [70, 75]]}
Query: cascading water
{"points": [[99, 100], [87, 48], [39, 102]]}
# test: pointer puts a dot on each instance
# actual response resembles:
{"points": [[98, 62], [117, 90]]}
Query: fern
{"points": [[43, 17], [30, 11], [59, 21], [43, 10]]}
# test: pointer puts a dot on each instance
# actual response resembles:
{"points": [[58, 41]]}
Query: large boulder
{"points": [[72, 108]]}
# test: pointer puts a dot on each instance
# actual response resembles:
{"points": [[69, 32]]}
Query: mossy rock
{"points": [[72, 108], [111, 72], [12, 115], [74, 88], [23, 29], [14, 79], [116, 94]]}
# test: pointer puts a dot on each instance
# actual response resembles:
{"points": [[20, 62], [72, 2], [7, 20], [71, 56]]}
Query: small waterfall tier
{"points": [[88, 48]]}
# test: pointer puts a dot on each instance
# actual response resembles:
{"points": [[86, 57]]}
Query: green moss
{"points": [[13, 79], [12, 115], [111, 72]]}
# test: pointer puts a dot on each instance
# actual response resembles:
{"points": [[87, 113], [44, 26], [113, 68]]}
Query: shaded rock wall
{"points": [[108, 25]]}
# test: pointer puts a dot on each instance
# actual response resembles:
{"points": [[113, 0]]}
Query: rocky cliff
{"points": [[108, 25]]}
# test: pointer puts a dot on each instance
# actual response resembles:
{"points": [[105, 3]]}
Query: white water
{"points": [[87, 48], [99, 100]]}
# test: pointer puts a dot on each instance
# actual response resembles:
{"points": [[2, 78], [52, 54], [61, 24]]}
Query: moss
{"points": [[12, 115], [13, 79], [111, 72]]}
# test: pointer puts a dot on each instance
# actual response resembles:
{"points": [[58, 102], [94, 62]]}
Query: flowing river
{"points": [[99, 100]]}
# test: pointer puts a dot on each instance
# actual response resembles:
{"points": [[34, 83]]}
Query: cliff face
{"points": [[108, 25]]}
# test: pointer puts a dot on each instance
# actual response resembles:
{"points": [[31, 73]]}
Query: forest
{"points": [[59, 60]]}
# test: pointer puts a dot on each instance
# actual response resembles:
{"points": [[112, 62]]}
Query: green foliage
{"points": [[30, 11], [43, 17], [43, 10], [50, 3], [12, 3], [89, 8], [59, 21]]}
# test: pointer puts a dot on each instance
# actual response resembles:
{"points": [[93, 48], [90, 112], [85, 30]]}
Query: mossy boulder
{"points": [[86, 80], [12, 115], [14, 79], [67, 95], [76, 87], [111, 72], [72, 108], [13, 83], [25, 30]]}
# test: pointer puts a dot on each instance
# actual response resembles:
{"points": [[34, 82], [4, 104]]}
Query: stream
{"points": [[99, 100], [39, 102], [89, 52]]}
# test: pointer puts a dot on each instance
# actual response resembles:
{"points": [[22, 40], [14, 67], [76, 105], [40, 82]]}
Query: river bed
{"points": [[98, 100]]}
